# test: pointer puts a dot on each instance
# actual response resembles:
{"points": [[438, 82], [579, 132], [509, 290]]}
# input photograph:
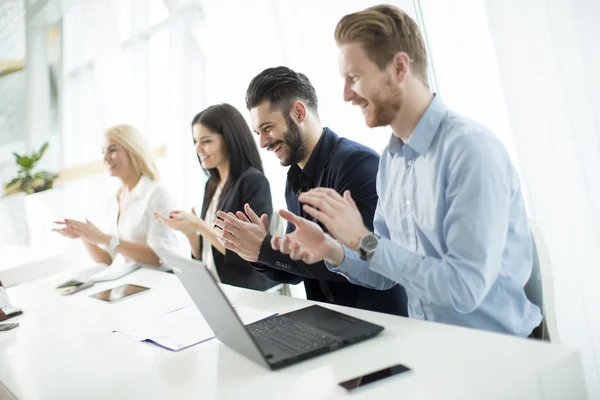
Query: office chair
{"points": [[540, 287]]}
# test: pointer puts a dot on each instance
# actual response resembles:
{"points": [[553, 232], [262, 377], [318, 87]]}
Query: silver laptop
{"points": [[275, 342]]}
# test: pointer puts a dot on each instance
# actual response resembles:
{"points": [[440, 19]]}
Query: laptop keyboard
{"points": [[290, 336]]}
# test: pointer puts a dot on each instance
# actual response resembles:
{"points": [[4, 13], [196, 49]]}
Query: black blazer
{"points": [[252, 188], [340, 164]]}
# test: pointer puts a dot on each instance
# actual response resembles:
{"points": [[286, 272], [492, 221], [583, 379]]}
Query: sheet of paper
{"points": [[184, 327]]}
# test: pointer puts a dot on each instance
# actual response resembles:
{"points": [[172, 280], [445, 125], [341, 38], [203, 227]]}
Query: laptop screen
{"points": [[214, 306]]}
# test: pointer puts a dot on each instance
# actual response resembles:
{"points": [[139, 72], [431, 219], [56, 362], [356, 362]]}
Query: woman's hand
{"points": [[186, 222], [65, 230], [87, 231]]}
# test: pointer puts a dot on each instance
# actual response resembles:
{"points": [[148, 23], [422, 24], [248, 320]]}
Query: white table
{"points": [[64, 349]]}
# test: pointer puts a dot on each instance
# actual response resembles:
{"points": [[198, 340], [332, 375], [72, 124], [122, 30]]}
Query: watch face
{"points": [[369, 243]]}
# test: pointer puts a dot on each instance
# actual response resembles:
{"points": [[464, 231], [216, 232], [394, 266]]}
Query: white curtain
{"points": [[102, 32], [549, 59], [186, 99]]}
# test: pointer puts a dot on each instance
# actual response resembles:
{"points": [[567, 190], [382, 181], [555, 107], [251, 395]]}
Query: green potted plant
{"points": [[26, 181]]}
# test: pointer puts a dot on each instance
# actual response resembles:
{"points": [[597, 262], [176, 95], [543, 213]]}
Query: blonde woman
{"points": [[131, 231]]}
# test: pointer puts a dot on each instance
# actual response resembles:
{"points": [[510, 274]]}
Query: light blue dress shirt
{"points": [[453, 227]]}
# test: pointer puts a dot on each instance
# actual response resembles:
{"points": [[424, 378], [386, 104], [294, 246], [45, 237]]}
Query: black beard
{"points": [[295, 140]]}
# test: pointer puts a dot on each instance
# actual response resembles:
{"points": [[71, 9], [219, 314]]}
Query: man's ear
{"points": [[401, 64], [299, 111]]}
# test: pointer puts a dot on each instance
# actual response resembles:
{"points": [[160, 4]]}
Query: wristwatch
{"points": [[367, 245], [113, 243]]}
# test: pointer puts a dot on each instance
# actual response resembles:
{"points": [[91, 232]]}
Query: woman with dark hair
{"points": [[228, 154]]}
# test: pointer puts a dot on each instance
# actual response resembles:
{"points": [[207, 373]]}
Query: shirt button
{"points": [[407, 203], [410, 163]]}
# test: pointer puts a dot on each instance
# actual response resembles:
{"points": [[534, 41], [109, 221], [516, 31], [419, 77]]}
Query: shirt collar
{"points": [[425, 130], [303, 179], [140, 188]]}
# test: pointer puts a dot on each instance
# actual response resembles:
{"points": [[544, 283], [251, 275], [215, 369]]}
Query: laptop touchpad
{"points": [[337, 326]]}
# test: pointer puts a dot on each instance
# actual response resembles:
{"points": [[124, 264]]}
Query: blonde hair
{"points": [[136, 147], [385, 30]]}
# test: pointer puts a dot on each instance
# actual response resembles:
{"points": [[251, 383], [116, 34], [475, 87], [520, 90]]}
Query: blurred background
{"points": [[69, 69]]}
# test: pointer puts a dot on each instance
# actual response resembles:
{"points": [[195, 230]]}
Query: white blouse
{"points": [[207, 254], [137, 222]]}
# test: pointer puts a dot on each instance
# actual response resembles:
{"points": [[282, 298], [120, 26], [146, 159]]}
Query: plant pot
{"points": [[14, 230]]}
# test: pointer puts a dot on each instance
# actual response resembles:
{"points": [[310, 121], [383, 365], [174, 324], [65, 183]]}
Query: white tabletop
{"points": [[65, 349]]}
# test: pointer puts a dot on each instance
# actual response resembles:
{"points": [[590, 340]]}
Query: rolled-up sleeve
{"points": [[160, 238]]}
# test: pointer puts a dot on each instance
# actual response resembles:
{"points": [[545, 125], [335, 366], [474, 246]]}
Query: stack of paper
{"points": [[184, 327]]}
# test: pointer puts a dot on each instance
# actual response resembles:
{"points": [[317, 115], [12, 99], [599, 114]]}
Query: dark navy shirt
{"points": [[340, 164]]}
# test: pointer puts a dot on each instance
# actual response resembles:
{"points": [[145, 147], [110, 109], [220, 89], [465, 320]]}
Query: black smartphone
{"points": [[8, 327], [371, 377], [75, 289], [70, 283]]}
